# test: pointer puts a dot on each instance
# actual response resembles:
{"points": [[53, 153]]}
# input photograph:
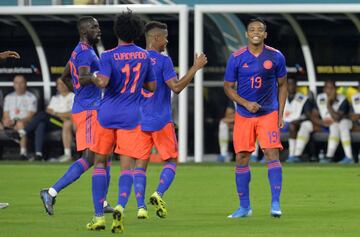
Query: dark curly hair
{"points": [[128, 27]]}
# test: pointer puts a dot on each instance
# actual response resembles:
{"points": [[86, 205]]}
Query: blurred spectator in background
{"points": [[1, 109], [297, 114], [3, 56], [355, 111], [57, 116], [355, 114], [226, 126], [19, 108], [334, 109]]}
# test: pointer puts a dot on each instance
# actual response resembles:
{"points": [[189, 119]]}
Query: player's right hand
{"points": [[9, 54], [200, 60], [253, 107]]}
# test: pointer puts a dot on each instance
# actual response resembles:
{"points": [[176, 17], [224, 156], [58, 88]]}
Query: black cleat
{"points": [[48, 201], [108, 209]]}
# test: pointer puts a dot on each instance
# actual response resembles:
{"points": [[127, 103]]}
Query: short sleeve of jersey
{"points": [[230, 72], [6, 104], [84, 58], [168, 69], [52, 103], [105, 65], [281, 66], [344, 107], [150, 75]]}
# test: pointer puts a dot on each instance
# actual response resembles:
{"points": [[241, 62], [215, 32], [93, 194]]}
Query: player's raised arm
{"points": [[9, 54], [200, 60]]}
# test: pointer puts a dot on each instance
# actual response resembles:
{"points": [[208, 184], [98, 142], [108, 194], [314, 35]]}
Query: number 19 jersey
{"points": [[256, 78], [127, 67]]}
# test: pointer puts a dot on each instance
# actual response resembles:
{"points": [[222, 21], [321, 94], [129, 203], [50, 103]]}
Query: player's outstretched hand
{"points": [[253, 107], [200, 60], [9, 54]]}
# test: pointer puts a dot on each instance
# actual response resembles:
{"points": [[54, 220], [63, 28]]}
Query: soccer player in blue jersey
{"points": [[156, 120], [124, 71], [83, 62], [260, 74]]}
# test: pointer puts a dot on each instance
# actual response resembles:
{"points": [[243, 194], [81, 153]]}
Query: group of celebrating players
{"points": [[122, 105]]}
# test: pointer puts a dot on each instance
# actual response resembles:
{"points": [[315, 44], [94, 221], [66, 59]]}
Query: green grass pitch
{"points": [[316, 201]]}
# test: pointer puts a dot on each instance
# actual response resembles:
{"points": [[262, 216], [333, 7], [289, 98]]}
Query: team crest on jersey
{"points": [[153, 61], [267, 64], [322, 101]]}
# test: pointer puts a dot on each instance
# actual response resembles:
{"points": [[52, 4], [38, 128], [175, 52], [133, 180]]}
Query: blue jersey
{"points": [[127, 67], [156, 107], [256, 78], [86, 97]]}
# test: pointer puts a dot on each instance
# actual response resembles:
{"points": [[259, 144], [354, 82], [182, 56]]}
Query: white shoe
{"points": [[64, 158], [3, 205]]}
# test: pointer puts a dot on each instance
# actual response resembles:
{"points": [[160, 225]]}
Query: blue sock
{"points": [[166, 177], [275, 179], [98, 189], [242, 179], [72, 174], [140, 186], [125, 184], [108, 176]]}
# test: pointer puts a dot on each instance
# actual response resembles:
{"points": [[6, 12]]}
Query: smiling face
{"points": [[256, 33]]}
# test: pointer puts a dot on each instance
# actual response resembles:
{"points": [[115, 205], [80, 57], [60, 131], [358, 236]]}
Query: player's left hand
{"points": [[281, 122], [9, 54]]}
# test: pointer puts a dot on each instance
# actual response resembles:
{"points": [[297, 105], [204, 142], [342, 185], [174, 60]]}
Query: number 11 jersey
{"points": [[127, 67]]}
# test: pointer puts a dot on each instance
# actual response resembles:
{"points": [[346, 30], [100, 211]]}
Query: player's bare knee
{"points": [[243, 158], [271, 154]]}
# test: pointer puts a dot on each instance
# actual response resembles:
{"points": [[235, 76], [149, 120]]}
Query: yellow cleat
{"points": [[118, 220], [159, 204], [142, 214], [97, 223]]}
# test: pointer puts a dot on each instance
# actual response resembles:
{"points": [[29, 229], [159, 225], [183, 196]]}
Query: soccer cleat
{"points": [[64, 158], [346, 160], [241, 212], [118, 219], [142, 214], [293, 159], [159, 204], [108, 208], [275, 210], [3, 205], [253, 158], [97, 223], [325, 161], [220, 158], [48, 201]]}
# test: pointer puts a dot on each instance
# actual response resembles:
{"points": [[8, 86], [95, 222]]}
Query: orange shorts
{"points": [[127, 142], [263, 128], [164, 140], [85, 123]]}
